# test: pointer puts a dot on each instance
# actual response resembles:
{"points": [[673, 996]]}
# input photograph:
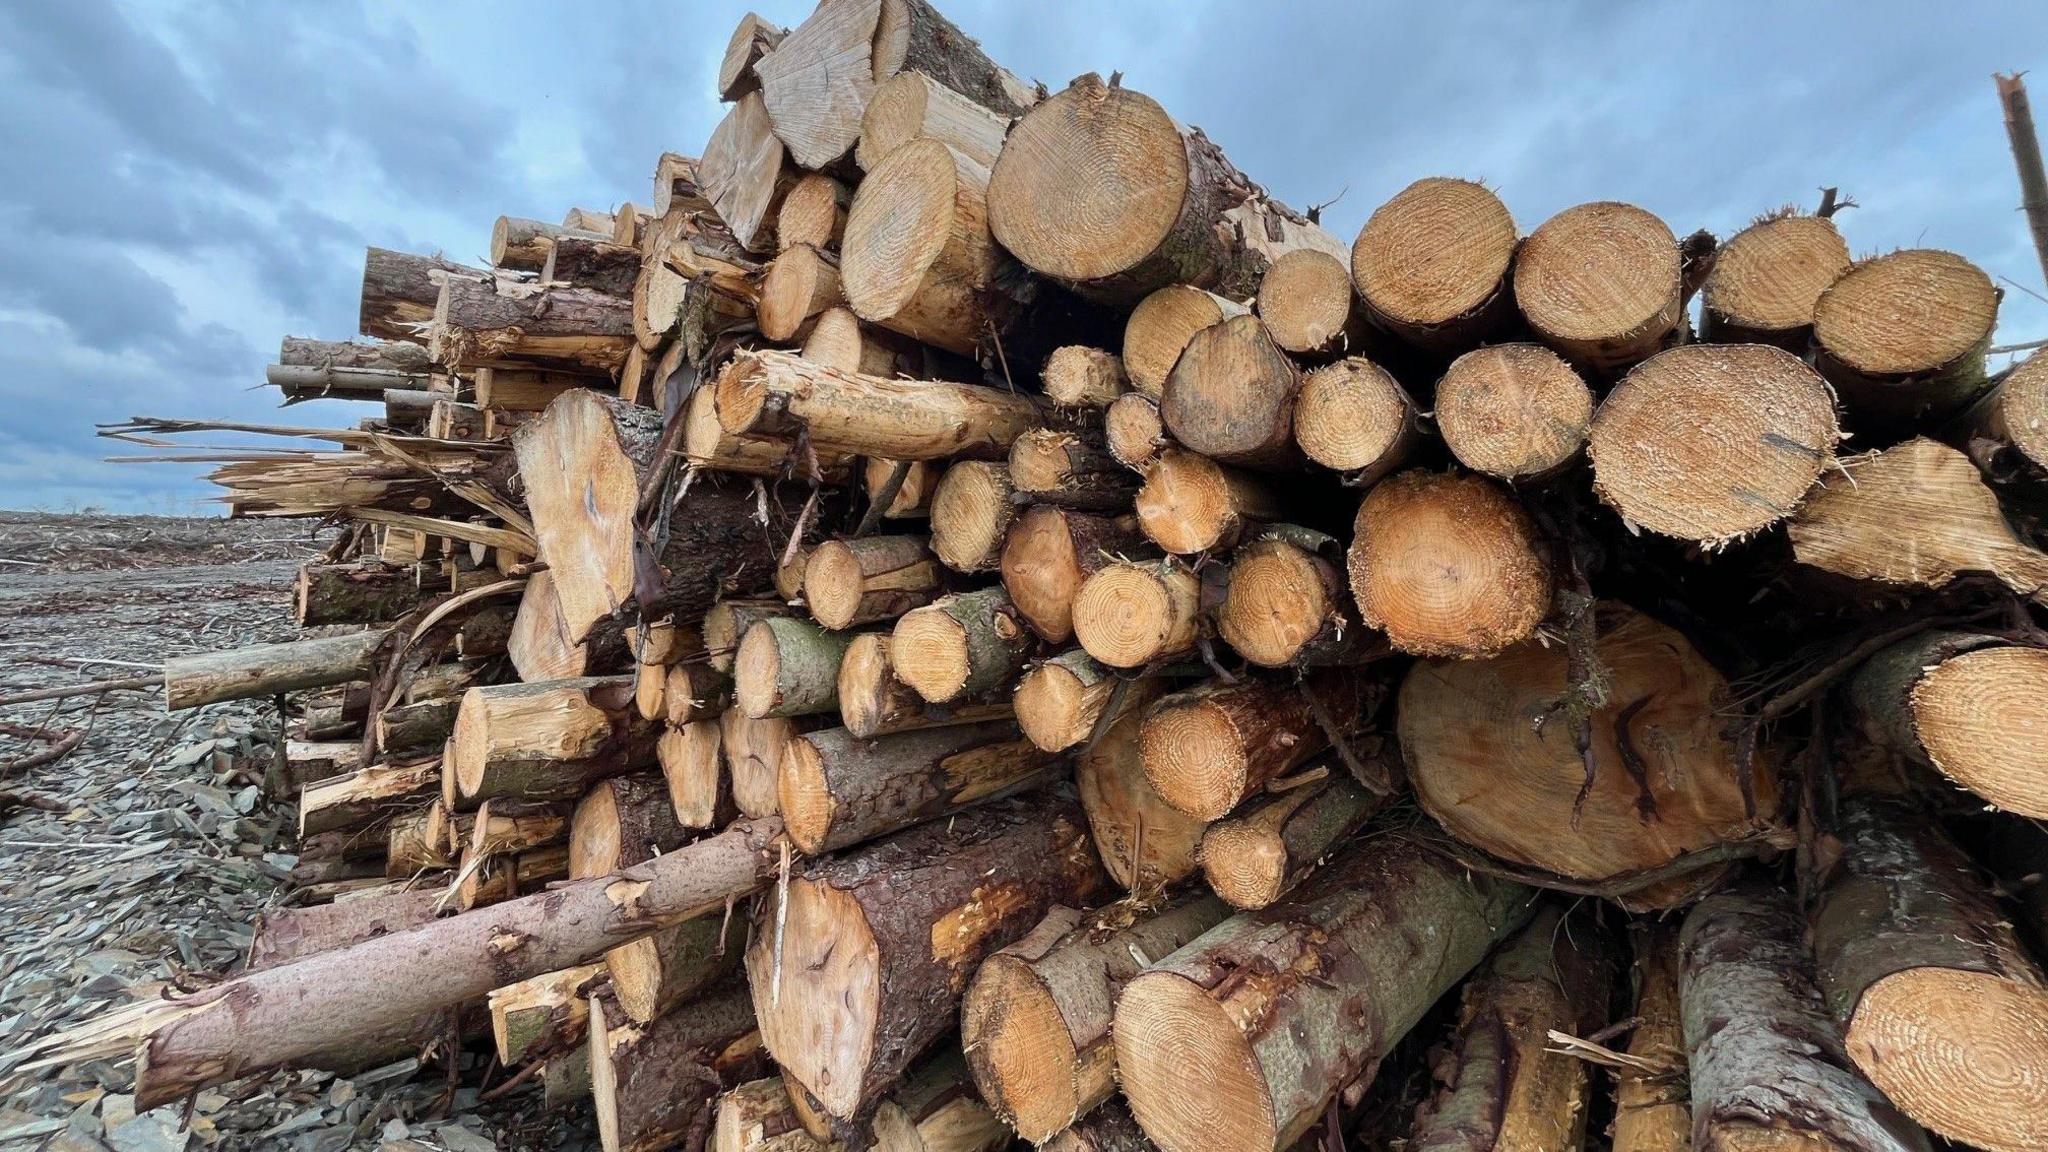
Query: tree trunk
{"points": [[283, 935], [1078, 376], [598, 265], [383, 356], [752, 39], [1286, 604], [1132, 430], [1515, 412], [1448, 565], [2006, 432], [1602, 284], [1049, 554], [1651, 1112], [777, 395], [1308, 306], [872, 950], [911, 106], [543, 1017], [1146, 845], [622, 822], [360, 592], [658, 974], [1132, 614], [1766, 1063], [1231, 397], [1902, 337], [813, 213], [959, 647], [694, 691], [873, 701], [837, 789], [801, 282], [1354, 417], [521, 245], [1160, 327], [1941, 1007], [492, 880], [654, 1083], [1210, 748], [404, 408], [1767, 279], [365, 798], [574, 329], [788, 667], [526, 389], [263, 670], [1432, 264], [861, 581], [550, 740], [935, 1110], [707, 445], [400, 291], [919, 257], [973, 506], [693, 765], [1035, 1023], [1070, 469], [1253, 859], [1274, 1012], [415, 727], [1190, 503], [1098, 187], [540, 646], [323, 383]]}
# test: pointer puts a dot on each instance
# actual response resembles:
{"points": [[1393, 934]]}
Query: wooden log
{"points": [[752, 39], [1515, 412], [408, 850], [525, 389], [1109, 1128], [1432, 264], [1766, 1064], [1131, 614], [919, 258], [1098, 187], [400, 290], [408, 408], [285, 934], [959, 647], [836, 788], [541, 648], [1070, 468], [544, 1016], [654, 1083], [1651, 1112], [1209, 748], [972, 508], [1253, 859], [776, 394], [1189, 503], [547, 740], [1902, 337], [1339, 984], [1049, 555], [728, 620], [1356, 418], [1133, 431], [1773, 432], [621, 822], [788, 667], [1060, 699], [599, 265], [839, 340], [382, 356], [451, 420], [1146, 844], [1448, 565], [264, 670], [873, 701], [488, 880], [1287, 605], [359, 592], [509, 827], [589, 220], [1160, 327], [911, 106], [873, 949], [1307, 304], [693, 764], [801, 283], [1035, 1022], [1767, 278], [813, 213], [655, 975], [1231, 396], [2006, 432], [416, 727], [914, 493], [753, 756], [565, 1080], [707, 445], [757, 1117], [1601, 283], [572, 328], [1665, 780], [1078, 376], [521, 245], [935, 1109], [339, 383], [860, 581], [694, 691], [746, 172]]}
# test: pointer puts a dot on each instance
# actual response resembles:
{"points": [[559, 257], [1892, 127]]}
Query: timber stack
{"points": [[959, 618]]}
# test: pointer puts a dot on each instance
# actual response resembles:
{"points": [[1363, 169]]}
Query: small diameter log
{"points": [[540, 646], [485, 633], [801, 283], [693, 765], [860, 581], [961, 646], [1288, 605], [450, 420], [919, 259], [813, 213], [752, 38], [1059, 699], [1665, 780], [746, 172], [1342, 978], [1356, 418], [1970, 706], [590, 220], [1432, 264], [753, 756], [565, 1080], [1189, 503], [912, 106], [521, 245], [1651, 1111], [366, 796], [547, 740], [360, 592], [505, 827], [971, 512], [1209, 748], [1100, 188], [2006, 433], [1133, 431], [1902, 337], [1601, 284], [307, 762], [775, 394], [1515, 412], [263, 670], [1130, 614], [837, 789], [874, 702], [728, 621], [1766, 280], [1077, 376], [283, 935], [526, 389], [1231, 396], [1712, 443], [296, 383], [405, 408], [1049, 555], [707, 445], [574, 328], [1765, 1062], [621, 822], [544, 1016], [913, 499], [935, 1109], [400, 290], [598, 265], [839, 340], [872, 949], [381, 355], [1448, 565], [1035, 1023], [1072, 469], [1253, 859], [788, 667], [657, 974], [1146, 844], [654, 1084], [1918, 515], [410, 850], [1307, 305], [1160, 327], [694, 691]]}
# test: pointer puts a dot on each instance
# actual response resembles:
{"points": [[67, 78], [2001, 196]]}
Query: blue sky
{"points": [[184, 183]]}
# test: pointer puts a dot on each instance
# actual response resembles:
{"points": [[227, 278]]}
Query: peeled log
{"points": [[549, 740], [1666, 776], [745, 172], [788, 667], [1099, 188], [1766, 1063], [654, 1084], [1287, 605], [1516, 412], [1432, 264], [971, 513], [1048, 556], [1210, 748], [751, 39], [838, 789], [960, 647], [1902, 337], [1766, 280], [874, 702], [1231, 396], [1130, 614], [775, 394], [1356, 418], [400, 291], [572, 328], [1146, 844], [1252, 859], [1448, 565], [1035, 1023], [1189, 503], [1345, 967], [873, 949], [1601, 283], [911, 106], [1713, 442]]}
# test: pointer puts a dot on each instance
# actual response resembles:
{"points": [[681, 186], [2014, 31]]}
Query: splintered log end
{"points": [[1513, 411], [1133, 431], [752, 38], [1160, 327], [1767, 279], [1354, 417], [1448, 565], [1430, 261], [745, 172], [1078, 376], [1601, 283]]}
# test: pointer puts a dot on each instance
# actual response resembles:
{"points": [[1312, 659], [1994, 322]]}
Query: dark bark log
{"points": [[400, 291], [837, 789], [654, 1083]]}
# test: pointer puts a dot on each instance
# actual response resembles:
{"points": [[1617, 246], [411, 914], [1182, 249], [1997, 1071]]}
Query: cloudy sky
{"points": [[185, 182]]}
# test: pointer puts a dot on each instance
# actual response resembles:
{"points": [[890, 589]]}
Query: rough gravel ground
{"points": [[137, 863]]}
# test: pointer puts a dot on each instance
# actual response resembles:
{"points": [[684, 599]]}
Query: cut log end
{"points": [[1078, 376], [1231, 396], [1194, 757], [1768, 277], [1160, 327], [1354, 417], [1244, 862], [1305, 300], [1448, 565], [1193, 1042], [929, 650], [1189, 503], [1024, 1058], [1980, 717], [1278, 601], [828, 993], [1130, 614], [1433, 255], [1909, 313], [1601, 282], [900, 223], [803, 793], [1058, 704], [1513, 411], [1132, 429], [800, 283], [1968, 1049], [971, 512]]}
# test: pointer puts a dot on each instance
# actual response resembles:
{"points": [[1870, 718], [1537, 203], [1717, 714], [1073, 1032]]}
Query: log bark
{"points": [[1515, 412], [545, 1016], [621, 822], [693, 765], [775, 394], [728, 620], [1765, 1062], [911, 106], [598, 265], [1254, 858], [801, 282], [324, 383], [1448, 565], [861, 581], [1432, 264], [654, 1083], [961, 646], [1308, 306], [1189, 503], [1356, 418], [788, 667], [837, 789], [746, 172], [1274, 1012], [873, 949], [1109, 1128], [813, 213], [873, 701], [573, 329], [972, 508], [547, 740], [1287, 605], [1146, 844], [1767, 279], [1651, 1112], [1231, 396], [1209, 748], [1160, 327], [1133, 431], [263, 670], [1035, 1023], [1902, 338], [521, 245], [1132, 614], [1071, 469], [1078, 376], [1049, 555], [283, 935], [1602, 284], [400, 290], [383, 356], [751, 39], [359, 592]]}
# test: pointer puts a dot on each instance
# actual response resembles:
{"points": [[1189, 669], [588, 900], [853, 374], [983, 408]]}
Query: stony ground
{"points": [[135, 864]]}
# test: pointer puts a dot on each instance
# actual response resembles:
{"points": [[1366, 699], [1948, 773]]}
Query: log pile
{"points": [[969, 620]]}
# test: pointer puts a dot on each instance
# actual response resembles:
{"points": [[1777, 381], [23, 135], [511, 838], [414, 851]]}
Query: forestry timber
{"points": [[849, 582], [1651, 1112], [525, 389], [1160, 327], [751, 39], [873, 701], [1231, 396], [913, 499], [1078, 376], [1035, 1022], [1049, 555], [1902, 337], [619, 823], [1189, 503], [548, 740], [540, 647], [960, 646], [1209, 748], [381, 356], [788, 667], [758, 1117], [519, 245], [575, 329], [654, 1083], [2006, 433], [1059, 699], [919, 259], [1130, 614], [935, 1109], [1146, 844], [291, 933], [544, 1015], [693, 691], [1601, 284], [1432, 264], [838, 789], [1252, 859], [727, 621], [911, 106], [1448, 565], [364, 592], [1072, 469], [746, 173], [1132, 430], [1970, 706], [1287, 605], [1344, 973], [775, 394], [692, 765], [1306, 302], [971, 511], [400, 291], [655, 975], [753, 756], [1354, 417], [801, 282], [1515, 412], [1767, 279], [595, 264], [265, 670]]}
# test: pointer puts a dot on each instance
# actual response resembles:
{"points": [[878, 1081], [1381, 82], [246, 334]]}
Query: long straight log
{"points": [[308, 382], [837, 789], [776, 394], [385, 355], [400, 290], [263, 670], [574, 328]]}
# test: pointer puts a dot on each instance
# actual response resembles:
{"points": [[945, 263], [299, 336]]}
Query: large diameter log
{"points": [[776, 394], [1902, 337], [873, 701], [1970, 706], [1353, 416], [911, 106], [1160, 327], [1035, 1022], [1288, 605], [548, 740], [1307, 304], [972, 507], [1082, 377], [1189, 503], [521, 245], [1345, 967], [400, 291], [364, 592], [919, 257], [1666, 779], [872, 950], [1651, 1112], [654, 1083], [1254, 858], [838, 789], [746, 172], [1448, 565], [1939, 1004], [1766, 280], [1432, 264], [285, 934], [752, 38], [264, 670], [1130, 614], [788, 667], [961, 646], [1765, 1062], [1209, 748], [1602, 284], [1712, 443], [1100, 188], [1231, 396], [1146, 844], [574, 328], [1048, 556], [1515, 412], [2006, 432]]}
